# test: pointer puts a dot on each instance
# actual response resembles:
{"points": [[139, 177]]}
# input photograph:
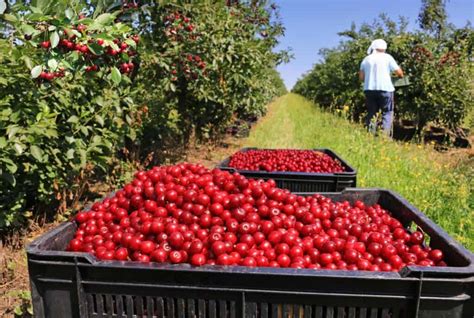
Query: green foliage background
{"points": [[58, 137], [439, 68]]}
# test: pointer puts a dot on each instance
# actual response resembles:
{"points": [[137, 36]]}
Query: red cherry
{"points": [[325, 259], [82, 217], [218, 248], [176, 240], [388, 251], [416, 238], [249, 262], [81, 28], [396, 261], [224, 259], [351, 256], [121, 254], [45, 44], [283, 260], [75, 245], [363, 264], [198, 259], [159, 255], [176, 257], [436, 255]]}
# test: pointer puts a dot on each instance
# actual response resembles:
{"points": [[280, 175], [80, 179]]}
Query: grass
{"points": [[431, 181]]}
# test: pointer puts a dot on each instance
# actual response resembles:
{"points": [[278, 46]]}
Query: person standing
{"points": [[376, 70]]}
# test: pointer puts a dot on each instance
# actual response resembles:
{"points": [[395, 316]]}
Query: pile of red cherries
{"points": [[285, 160], [186, 213]]}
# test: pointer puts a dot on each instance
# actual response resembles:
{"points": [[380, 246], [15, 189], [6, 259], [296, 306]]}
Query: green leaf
{"points": [[10, 18], [18, 148], [36, 152], [116, 75], [102, 20], [113, 45], [70, 154], [69, 13], [53, 64], [128, 119], [132, 135], [9, 178], [99, 120], [99, 100], [96, 49], [27, 29], [83, 156], [131, 43], [54, 39], [105, 18], [73, 119], [3, 142], [76, 33], [36, 17], [11, 166], [84, 130], [66, 64], [36, 71], [52, 133], [114, 6], [87, 21], [12, 130], [74, 56], [97, 139], [27, 61], [36, 10], [103, 36], [172, 87], [70, 139]]}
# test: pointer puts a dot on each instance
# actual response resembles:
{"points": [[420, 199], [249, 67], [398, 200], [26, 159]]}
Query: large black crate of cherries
{"points": [[302, 181], [68, 284]]}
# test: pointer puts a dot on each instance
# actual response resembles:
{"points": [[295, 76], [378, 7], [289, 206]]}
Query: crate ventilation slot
{"points": [[104, 305]]}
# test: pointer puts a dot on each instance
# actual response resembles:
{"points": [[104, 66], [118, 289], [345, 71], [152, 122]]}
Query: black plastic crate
{"points": [[302, 181], [67, 284]]}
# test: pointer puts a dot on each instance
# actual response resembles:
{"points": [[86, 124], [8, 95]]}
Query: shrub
{"points": [[87, 85]]}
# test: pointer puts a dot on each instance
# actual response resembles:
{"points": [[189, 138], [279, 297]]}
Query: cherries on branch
{"points": [[119, 54]]}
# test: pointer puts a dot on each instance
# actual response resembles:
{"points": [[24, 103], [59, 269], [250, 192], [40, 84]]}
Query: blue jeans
{"points": [[379, 101]]}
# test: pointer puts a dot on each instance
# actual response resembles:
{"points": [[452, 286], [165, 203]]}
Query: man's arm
{"points": [[394, 67], [361, 75], [399, 72]]}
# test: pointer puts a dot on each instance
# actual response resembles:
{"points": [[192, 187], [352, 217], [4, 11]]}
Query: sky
{"points": [[313, 24]]}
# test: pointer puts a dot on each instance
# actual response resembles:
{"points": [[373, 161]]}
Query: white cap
{"points": [[378, 44]]}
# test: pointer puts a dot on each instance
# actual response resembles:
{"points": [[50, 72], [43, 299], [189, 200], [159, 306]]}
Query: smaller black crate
{"points": [[67, 284], [303, 181]]}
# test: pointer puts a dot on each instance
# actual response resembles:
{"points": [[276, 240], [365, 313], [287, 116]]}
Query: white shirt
{"points": [[378, 68]]}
